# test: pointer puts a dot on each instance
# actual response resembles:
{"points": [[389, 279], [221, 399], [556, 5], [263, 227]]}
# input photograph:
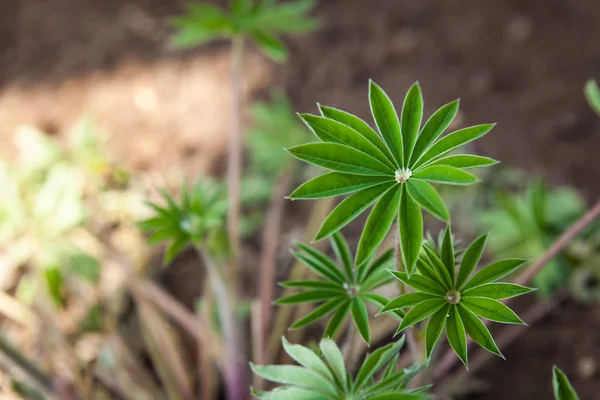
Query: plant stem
{"points": [[449, 359], [234, 156], [234, 364]]}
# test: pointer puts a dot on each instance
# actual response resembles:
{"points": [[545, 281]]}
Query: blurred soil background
{"points": [[519, 63]]}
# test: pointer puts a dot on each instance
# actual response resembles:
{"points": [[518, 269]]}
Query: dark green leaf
{"points": [[361, 127], [562, 387], [334, 184], [425, 269], [421, 311], [452, 141], [320, 312], [412, 113], [478, 331], [387, 122], [492, 310], [433, 128], [421, 283], [494, 271], [443, 271], [455, 331], [410, 222], [270, 45], [343, 254], [311, 284], [407, 300], [361, 318], [465, 161], [336, 321], [447, 253], [322, 263], [497, 291], [379, 223], [309, 296], [341, 158], [428, 198], [470, 260], [383, 262], [380, 301], [350, 208], [445, 174], [435, 328]]}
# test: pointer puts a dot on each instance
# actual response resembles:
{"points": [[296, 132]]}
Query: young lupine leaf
{"points": [[453, 299], [335, 184], [455, 332], [445, 174], [341, 290], [327, 379], [412, 113], [562, 387], [378, 224], [592, 94], [428, 198], [398, 156]]}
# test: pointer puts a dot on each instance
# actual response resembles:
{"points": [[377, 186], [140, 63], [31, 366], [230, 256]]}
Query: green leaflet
{"points": [[470, 260], [406, 300], [562, 387], [293, 375], [433, 128], [361, 127], [491, 309], [309, 296], [421, 283], [445, 174], [350, 208], [307, 358], [361, 318], [448, 254], [379, 223], [428, 198], [494, 271], [465, 161], [343, 254], [477, 330], [455, 332], [335, 184], [329, 130], [336, 321], [410, 222], [592, 94], [412, 113], [324, 309], [387, 121], [442, 273], [335, 359], [339, 157], [421, 311], [435, 328], [498, 291]]}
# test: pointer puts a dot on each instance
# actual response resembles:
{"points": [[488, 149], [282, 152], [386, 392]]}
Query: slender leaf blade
{"points": [[410, 222], [492, 310], [434, 329], [412, 113], [470, 260], [455, 332], [445, 174], [478, 331], [563, 390], [361, 318], [334, 184], [421, 311], [428, 198], [498, 291], [494, 271], [433, 128], [386, 119]]}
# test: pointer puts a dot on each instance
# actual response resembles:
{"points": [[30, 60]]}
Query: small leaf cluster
{"points": [[197, 219], [343, 288], [326, 377], [455, 300], [562, 387], [392, 169], [261, 20]]}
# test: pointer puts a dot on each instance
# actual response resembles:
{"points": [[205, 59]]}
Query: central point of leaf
{"points": [[453, 297], [352, 290], [402, 175]]}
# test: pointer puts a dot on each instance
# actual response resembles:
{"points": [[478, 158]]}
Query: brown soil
{"points": [[519, 63]]}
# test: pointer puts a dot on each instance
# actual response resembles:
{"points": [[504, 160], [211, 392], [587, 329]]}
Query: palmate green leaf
{"points": [[491, 309], [332, 131], [361, 127], [361, 318], [341, 158], [477, 330], [270, 45], [378, 224], [335, 184], [562, 387], [412, 113], [465, 161], [455, 332], [410, 222], [435, 328], [428, 198], [387, 121], [498, 291], [494, 272], [445, 174], [592, 94], [433, 128], [421, 311], [323, 310], [350, 208]]}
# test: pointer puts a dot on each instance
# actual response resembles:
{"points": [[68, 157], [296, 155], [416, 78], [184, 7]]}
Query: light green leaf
{"points": [[410, 222], [421, 283], [478, 331], [386, 120], [492, 310], [361, 318], [307, 358], [412, 113], [334, 184], [421, 311], [447, 253], [294, 375], [361, 127], [341, 158], [335, 358], [452, 141], [435, 328], [337, 320], [319, 312], [497, 291], [270, 45], [465, 161], [428, 198], [343, 254], [329, 130], [494, 271], [592, 94], [433, 128], [379, 223], [175, 248], [406, 300], [562, 387], [290, 393], [350, 208], [455, 331], [445, 174], [470, 260]]}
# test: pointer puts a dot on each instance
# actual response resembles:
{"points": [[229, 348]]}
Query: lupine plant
{"points": [[562, 387]]}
